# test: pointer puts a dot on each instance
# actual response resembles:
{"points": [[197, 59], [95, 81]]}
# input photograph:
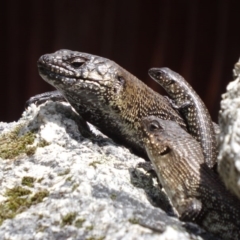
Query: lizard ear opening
{"points": [[121, 80], [120, 83], [168, 81]]}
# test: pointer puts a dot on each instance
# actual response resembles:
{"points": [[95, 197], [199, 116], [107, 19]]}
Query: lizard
{"points": [[104, 94], [197, 117], [195, 191]]}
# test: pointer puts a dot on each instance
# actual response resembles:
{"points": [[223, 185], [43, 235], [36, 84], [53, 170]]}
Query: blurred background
{"points": [[198, 39]]}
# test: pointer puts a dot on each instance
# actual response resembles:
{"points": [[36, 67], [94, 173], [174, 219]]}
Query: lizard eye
{"points": [[77, 62], [153, 126], [158, 74]]}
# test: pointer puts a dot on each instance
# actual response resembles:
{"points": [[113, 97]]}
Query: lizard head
{"points": [[160, 137], [164, 139], [91, 77], [154, 134], [167, 78]]}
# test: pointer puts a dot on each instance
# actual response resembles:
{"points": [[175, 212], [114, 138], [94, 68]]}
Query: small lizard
{"points": [[197, 117], [104, 94], [196, 192]]}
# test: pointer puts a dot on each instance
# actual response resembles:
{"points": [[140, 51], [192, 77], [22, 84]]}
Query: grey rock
{"points": [[97, 189], [229, 121]]}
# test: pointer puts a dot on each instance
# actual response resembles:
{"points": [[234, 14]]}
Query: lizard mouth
{"points": [[57, 76], [51, 76]]}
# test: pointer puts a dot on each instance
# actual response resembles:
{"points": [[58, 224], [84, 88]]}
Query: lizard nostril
{"points": [[41, 69]]}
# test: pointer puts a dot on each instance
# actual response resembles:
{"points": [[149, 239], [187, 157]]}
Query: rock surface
{"points": [[229, 121], [57, 184]]}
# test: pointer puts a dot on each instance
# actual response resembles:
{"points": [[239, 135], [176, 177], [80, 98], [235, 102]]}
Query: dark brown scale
{"points": [[105, 94], [186, 100], [196, 192]]}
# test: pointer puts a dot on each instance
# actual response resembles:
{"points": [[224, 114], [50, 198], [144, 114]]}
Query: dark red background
{"points": [[199, 39]]}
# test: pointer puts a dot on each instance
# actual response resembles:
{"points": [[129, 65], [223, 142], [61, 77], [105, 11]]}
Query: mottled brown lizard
{"points": [[104, 94], [196, 192]]}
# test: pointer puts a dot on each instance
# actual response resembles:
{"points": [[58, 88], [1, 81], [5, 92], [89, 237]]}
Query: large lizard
{"points": [[104, 94]]}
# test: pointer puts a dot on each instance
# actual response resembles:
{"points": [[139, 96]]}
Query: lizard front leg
{"points": [[38, 99], [190, 209]]}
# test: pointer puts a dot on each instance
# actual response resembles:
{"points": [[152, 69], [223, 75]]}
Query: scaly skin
{"points": [[197, 117], [195, 191], [105, 94]]}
